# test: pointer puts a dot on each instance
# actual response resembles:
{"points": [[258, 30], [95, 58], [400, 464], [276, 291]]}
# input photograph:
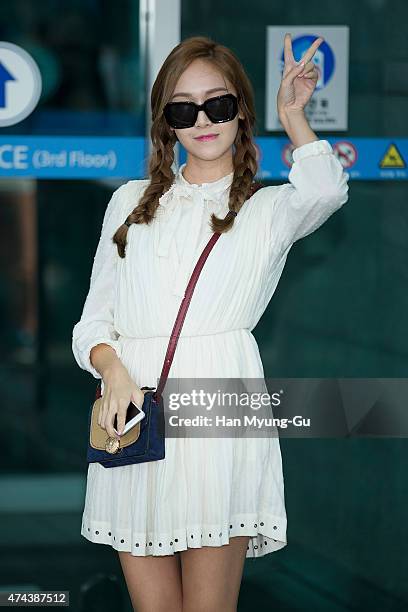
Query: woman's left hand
{"points": [[298, 82]]}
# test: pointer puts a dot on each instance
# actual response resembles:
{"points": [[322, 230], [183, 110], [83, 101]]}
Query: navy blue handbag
{"points": [[146, 440]]}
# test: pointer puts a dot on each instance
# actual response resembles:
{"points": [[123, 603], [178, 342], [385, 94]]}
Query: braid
{"points": [[162, 177], [245, 168]]}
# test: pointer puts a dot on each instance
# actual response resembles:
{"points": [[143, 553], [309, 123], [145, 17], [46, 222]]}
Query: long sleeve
{"points": [[317, 188], [96, 323]]}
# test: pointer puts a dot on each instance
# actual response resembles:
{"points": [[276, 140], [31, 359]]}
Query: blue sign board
{"points": [[72, 157], [362, 158], [87, 157]]}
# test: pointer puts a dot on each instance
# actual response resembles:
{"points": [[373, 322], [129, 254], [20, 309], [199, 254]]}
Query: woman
{"points": [[183, 526]]}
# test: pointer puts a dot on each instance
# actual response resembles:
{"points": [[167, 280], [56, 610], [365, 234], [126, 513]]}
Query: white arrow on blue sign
{"points": [[20, 84]]}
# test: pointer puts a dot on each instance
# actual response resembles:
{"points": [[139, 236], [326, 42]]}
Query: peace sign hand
{"points": [[298, 82]]}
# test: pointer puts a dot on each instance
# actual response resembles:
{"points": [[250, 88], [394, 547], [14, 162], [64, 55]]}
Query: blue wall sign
{"points": [[85, 157]]}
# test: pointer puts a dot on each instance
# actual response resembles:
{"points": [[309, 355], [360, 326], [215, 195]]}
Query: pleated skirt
{"points": [[206, 490]]}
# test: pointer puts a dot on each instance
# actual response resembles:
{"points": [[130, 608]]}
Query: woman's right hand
{"points": [[119, 391]]}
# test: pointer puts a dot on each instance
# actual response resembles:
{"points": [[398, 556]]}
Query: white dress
{"points": [[206, 490]]}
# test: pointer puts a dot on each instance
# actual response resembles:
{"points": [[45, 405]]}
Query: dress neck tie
{"points": [[202, 201]]}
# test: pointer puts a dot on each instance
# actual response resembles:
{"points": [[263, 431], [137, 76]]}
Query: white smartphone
{"points": [[134, 415]]}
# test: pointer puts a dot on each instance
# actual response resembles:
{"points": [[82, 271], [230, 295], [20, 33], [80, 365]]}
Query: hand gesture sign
{"points": [[298, 82]]}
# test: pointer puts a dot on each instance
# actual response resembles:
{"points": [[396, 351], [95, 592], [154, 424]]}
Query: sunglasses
{"points": [[219, 109]]}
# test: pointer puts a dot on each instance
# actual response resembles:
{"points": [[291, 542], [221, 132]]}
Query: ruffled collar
{"points": [[211, 194], [214, 187]]}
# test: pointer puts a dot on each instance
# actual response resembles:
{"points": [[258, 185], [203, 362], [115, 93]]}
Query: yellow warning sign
{"points": [[392, 158]]}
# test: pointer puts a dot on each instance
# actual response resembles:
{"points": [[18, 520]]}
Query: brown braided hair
{"points": [[163, 138]]}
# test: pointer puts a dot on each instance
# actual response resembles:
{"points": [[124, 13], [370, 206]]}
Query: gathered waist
{"points": [[181, 336]]}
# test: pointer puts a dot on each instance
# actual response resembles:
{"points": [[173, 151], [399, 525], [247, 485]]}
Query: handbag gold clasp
{"points": [[112, 445]]}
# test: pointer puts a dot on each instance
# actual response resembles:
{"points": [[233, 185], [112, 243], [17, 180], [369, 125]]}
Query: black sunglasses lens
{"points": [[180, 115], [221, 109], [184, 114]]}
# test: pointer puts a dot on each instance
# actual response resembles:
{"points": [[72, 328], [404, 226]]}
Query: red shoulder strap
{"points": [[254, 187]]}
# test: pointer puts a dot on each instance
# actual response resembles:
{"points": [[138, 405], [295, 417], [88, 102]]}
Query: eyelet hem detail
{"points": [[267, 534]]}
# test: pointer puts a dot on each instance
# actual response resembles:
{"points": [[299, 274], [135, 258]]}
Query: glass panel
{"points": [[341, 329], [88, 55]]}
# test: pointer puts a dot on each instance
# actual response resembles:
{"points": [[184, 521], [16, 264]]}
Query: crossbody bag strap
{"points": [[181, 315]]}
